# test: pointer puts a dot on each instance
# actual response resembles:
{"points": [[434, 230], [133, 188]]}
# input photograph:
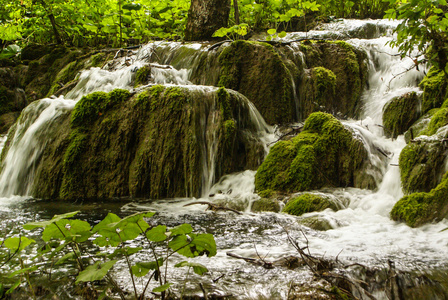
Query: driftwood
{"points": [[280, 43], [66, 88], [255, 261], [214, 207], [216, 45]]}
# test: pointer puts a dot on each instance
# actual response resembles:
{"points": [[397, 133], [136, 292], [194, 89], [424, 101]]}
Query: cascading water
{"points": [[362, 231]]}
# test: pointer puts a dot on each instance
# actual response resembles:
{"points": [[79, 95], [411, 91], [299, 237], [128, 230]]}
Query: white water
{"points": [[363, 231]]}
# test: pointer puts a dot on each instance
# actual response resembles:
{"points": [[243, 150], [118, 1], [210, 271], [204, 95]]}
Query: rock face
{"points": [[400, 113], [420, 208], [434, 89], [325, 153], [422, 165], [42, 72], [205, 17], [257, 71], [335, 78], [164, 142]]}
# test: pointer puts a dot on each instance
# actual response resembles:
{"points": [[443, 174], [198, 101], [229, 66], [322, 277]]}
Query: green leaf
{"points": [[194, 245], [272, 31], [18, 243], [140, 269], [197, 268], [282, 34], [106, 222], [157, 234], [71, 230], [23, 270], [132, 6], [32, 225], [67, 257], [125, 251], [162, 288], [181, 229], [96, 271]]}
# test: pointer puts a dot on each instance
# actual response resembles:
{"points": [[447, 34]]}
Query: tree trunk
{"points": [[237, 12], [55, 29], [205, 17]]}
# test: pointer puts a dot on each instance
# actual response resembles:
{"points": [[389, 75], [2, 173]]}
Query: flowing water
{"points": [[362, 231]]}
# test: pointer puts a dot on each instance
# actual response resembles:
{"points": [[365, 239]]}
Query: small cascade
{"points": [[29, 137]]}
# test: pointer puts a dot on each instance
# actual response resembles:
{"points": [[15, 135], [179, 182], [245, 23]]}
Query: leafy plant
{"points": [[424, 27], [232, 33], [69, 241]]}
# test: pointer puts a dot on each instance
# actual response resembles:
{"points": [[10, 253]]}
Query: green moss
{"points": [[350, 70], [98, 60], [142, 75], [324, 83], [434, 89], [421, 165], [91, 107], [438, 120], [257, 71], [223, 100], [306, 203], [88, 109], [400, 113], [265, 204], [323, 154], [421, 208]]}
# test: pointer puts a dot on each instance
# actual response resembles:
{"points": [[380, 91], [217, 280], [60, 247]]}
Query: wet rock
{"points": [[310, 202], [317, 223], [257, 71], [348, 76], [150, 145], [266, 204], [434, 89], [422, 164], [325, 153], [400, 113]]}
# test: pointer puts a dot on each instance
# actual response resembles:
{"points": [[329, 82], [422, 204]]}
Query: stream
{"points": [[362, 233]]}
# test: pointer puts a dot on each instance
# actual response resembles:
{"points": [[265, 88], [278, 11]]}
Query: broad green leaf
{"points": [[272, 31], [71, 230], [162, 288], [106, 222], [157, 234], [125, 251], [96, 271], [197, 268], [181, 229], [142, 268], [282, 34], [194, 245], [32, 225], [18, 243], [67, 257]]}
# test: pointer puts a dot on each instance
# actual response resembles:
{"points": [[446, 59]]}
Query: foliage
{"points": [[94, 22], [426, 21], [69, 241]]}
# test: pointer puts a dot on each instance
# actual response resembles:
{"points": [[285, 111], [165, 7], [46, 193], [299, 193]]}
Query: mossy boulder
{"points": [[265, 204], [420, 126], [325, 153], [438, 120], [257, 71], [309, 202], [434, 89], [421, 208], [142, 76], [400, 113], [317, 223], [151, 145], [348, 65], [422, 165], [318, 91], [34, 51]]}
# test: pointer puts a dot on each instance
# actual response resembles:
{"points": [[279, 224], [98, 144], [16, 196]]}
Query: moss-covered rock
{"points": [[420, 208], [257, 71], [265, 204], [420, 126], [325, 153], [400, 113], [438, 120], [142, 76], [151, 145], [308, 202], [422, 165], [317, 223], [349, 67], [434, 89], [319, 89]]}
